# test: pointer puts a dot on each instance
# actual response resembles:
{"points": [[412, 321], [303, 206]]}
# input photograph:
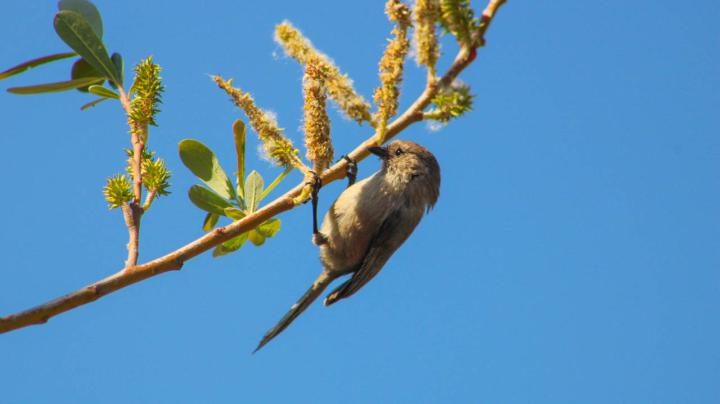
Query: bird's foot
{"points": [[351, 170], [319, 239]]}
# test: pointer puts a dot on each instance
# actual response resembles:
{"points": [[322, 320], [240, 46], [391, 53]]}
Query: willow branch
{"points": [[136, 165], [487, 17], [138, 136], [149, 198], [175, 260], [133, 211], [132, 221]]}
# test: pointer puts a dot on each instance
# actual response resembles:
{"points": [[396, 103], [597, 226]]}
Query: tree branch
{"points": [[131, 215], [487, 17], [132, 212], [136, 164], [175, 260], [138, 136], [149, 198]]}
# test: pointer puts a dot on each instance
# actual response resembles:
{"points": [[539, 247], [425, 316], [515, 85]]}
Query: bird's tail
{"points": [[315, 290]]}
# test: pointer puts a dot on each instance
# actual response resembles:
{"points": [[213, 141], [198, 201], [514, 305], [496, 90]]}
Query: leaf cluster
{"points": [[78, 23], [221, 198], [458, 18], [451, 102]]}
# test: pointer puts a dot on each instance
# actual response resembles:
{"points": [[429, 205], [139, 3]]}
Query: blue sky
{"points": [[573, 256]]}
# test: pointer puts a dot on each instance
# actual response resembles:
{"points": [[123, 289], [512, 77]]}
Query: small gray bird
{"points": [[368, 222]]}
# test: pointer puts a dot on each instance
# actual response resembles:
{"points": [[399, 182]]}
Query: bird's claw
{"points": [[316, 183], [319, 239], [351, 170]]}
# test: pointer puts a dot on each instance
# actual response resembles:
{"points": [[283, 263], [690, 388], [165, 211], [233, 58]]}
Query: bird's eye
{"points": [[399, 151]]}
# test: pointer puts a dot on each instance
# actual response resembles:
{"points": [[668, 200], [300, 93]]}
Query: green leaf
{"points": [[239, 135], [275, 182], [87, 10], [210, 221], [234, 213], [117, 60], [75, 31], [55, 87], [81, 69], [458, 18], [253, 190], [202, 162], [92, 103], [231, 245], [269, 228], [256, 238], [208, 200], [34, 63], [103, 92]]}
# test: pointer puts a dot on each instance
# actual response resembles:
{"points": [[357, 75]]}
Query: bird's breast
{"points": [[354, 219]]}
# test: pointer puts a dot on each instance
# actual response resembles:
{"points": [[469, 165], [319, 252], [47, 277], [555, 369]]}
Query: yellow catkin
{"points": [[339, 86], [275, 144], [147, 95], [316, 122], [391, 66], [427, 49]]}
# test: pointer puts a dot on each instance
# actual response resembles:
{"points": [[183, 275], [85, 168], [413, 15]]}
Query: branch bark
{"points": [[135, 207], [133, 211], [175, 260], [131, 214]]}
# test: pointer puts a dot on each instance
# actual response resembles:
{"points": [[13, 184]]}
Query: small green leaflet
{"points": [[22, 67], [253, 190], [202, 162], [55, 87]]}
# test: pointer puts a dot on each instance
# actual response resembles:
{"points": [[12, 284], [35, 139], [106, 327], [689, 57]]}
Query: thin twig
{"points": [[487, 17], [149, 198], [132, 221], [175, 260], [136, 164], [133, 211]]}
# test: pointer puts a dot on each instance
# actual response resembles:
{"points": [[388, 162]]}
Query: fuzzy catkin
{"points": [[339, 86], [275, 144], [391, 66], [316, 122]]}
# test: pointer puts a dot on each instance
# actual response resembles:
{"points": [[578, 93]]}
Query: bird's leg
{"points": [[351, 170], [316, 183]]}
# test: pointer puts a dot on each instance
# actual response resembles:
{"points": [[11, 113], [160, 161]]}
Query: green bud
{"points": [[117, 191]]}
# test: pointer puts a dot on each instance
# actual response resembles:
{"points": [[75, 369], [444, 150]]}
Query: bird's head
{"points": [[408, 162]]}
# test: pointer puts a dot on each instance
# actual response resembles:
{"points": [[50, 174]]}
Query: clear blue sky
{"points": [[573, 257]]}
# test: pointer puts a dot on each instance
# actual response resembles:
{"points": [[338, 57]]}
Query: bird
{"points": [[368, 222]]}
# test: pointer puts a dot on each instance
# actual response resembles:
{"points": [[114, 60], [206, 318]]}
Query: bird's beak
{"points": [[379, 151]]}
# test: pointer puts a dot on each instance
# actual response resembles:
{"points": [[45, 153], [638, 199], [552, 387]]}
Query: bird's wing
{"points": [[391, 234]]}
